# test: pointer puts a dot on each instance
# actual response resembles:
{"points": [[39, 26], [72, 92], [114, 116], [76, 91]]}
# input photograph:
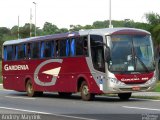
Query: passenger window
{"points": [[28, 50], [21, 51], [72, 47], [57, 48], [62, 47], [47, 49], [9, 52], [85, 46], [82, 46], [14, 55], [35, 50]]}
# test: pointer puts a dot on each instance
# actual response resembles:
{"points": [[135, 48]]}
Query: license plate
{"points": [[136, 88]]}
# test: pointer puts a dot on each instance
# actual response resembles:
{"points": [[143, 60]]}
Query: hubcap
{"points": [[85, 90]]}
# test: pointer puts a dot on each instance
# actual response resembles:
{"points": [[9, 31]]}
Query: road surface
{"points": [[51, 107]]}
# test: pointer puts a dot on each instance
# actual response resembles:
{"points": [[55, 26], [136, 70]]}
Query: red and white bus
{"points": [[92, 62]]}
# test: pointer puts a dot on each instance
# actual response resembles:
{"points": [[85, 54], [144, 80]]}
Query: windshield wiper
{"points": [[135, 56], [142, 63]]}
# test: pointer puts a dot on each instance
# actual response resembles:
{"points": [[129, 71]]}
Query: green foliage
{"points": [[75, 27], [157, 88], [50, 28], [0, 71], [154, 20]]}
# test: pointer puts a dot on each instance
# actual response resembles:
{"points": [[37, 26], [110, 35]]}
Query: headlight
{"points": [[152, 80], [114, 81]]}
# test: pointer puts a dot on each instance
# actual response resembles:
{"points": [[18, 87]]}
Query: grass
{"points": [[0, 71], [157, 88]]}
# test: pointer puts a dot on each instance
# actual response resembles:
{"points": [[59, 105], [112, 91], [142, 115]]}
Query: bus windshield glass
{"points": [[131, 53]]}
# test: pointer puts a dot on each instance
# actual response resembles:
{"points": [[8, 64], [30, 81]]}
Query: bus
{"points": [[92, 62]]}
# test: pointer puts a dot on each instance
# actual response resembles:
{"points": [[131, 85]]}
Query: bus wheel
{"points": [[29, 89], [86, 96], [124, 96], [64, 94]]}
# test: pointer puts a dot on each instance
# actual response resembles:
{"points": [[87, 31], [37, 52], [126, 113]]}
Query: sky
{"points": [[64, 13]]}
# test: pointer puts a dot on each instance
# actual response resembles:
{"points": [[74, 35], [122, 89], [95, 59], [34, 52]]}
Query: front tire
{"points": [[85, 94], [124, 96]]}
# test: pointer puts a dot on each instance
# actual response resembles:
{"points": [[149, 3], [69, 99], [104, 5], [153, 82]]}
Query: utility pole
{"points": [[35, 17], [18, 27], [30, 22], [110, 12]]}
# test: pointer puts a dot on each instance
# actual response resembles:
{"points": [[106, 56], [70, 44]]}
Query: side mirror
{"points": [[107, 54]]}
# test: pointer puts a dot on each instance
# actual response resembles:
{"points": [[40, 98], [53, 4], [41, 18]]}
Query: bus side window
{"points": [[36, 50], [79, 47], [72, 47], [28, 50], [45, 49], [62, 47], [42, 49], [52, 48], [57, 47], [14, 55], [9, 52], [21, 51], [82, 46], [5, 53], [67, 47], [85, 46]]}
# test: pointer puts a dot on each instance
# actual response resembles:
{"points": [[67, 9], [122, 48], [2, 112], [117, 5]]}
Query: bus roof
{"points": [[104, 31]]}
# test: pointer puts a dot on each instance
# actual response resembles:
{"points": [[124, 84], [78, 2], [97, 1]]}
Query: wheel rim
{"points": [[85, 90]]}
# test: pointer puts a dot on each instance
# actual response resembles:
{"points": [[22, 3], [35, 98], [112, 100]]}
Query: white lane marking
{"points": [[20, 97], [151, 109], [58, 115]]}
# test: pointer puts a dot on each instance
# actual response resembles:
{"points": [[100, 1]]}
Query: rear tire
{"points": [[29, 89], [124, 96], [85, 94]]}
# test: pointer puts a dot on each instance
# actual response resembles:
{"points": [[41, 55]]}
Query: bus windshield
{"points": [[131, 53]]}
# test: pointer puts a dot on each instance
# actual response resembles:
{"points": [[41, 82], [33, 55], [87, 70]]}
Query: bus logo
{"points": [[53, 72], [15, 67]]}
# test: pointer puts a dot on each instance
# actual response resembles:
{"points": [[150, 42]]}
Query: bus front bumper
{"points": [[116, 86]]}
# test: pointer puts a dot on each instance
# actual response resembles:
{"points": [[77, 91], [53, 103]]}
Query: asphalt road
{"points": [[51, 107]]}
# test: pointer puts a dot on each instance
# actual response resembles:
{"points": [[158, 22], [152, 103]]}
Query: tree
{"points": [[75, 27], [4, 31], [50, 28], [154, 20], [63, 30]]}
